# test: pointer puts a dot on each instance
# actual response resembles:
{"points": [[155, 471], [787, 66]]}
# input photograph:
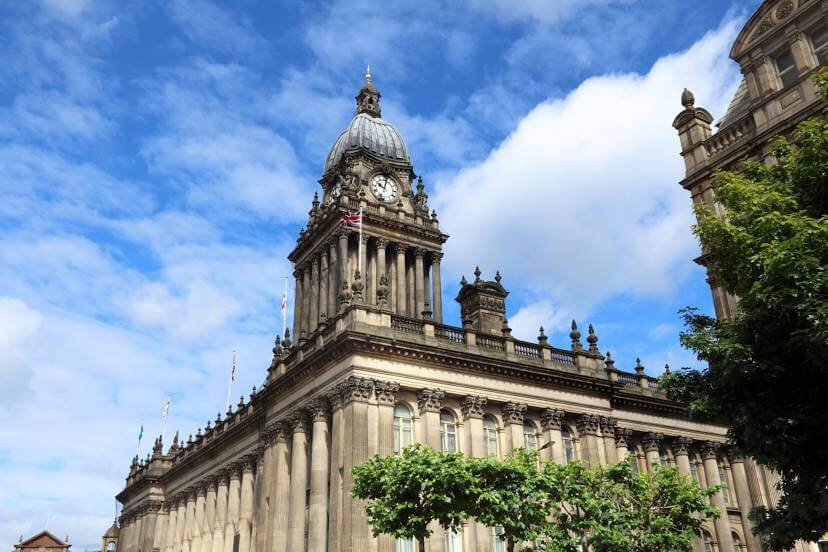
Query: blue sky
{"points": [[157, 160]]}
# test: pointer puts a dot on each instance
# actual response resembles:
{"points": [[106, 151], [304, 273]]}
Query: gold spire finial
{"points": [[367, 74]]}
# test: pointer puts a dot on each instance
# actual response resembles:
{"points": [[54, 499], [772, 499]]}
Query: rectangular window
{"points": [[454, 543], [404, 545], [725, 487], [819, 39], [786, 69]]}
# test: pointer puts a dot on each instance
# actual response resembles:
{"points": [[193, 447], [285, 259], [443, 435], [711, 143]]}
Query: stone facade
{"points": [[371, 367], [42, 542], [777, 50]]}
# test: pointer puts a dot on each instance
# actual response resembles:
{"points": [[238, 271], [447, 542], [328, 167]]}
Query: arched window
{"points": [[530, 440], [632, 457], [725, 487], [568, 446], [454, 543], [404, 545], [490, 436], [448, 432], [708, 542], [498, 543], [737, 542], [402, 428], [110, 546]]}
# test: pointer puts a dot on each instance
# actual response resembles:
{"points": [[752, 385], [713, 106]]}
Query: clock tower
{"points": [[393, 264]]}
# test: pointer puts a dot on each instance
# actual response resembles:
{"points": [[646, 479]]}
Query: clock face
{"points": [[335, 192], [384, 188]]}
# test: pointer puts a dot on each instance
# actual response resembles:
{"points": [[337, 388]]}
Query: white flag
{"points": [[166, 409]]}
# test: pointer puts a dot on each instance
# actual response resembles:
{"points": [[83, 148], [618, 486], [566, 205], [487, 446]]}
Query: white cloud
{"points": [[581, 202], [19, 326], [541, 11]]}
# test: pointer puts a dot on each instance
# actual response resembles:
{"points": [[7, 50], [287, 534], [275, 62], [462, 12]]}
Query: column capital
{"points": [[298, 272], [681, 446], [419, 253], [552, 418], [472, 406], [588, 424], [318, 409], [233, 471], [436, 256], [386, 392], [735, 454], [334, 397], [622, 437], [355, 389], [298, 421], [430, 400], [652, 441], [513, 412], [399, 247], [710, 449], [281, 432], [607, 425], [381, 242], [343, 233], [248, 463]]}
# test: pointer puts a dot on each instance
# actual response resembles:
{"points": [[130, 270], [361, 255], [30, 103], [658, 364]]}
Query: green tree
{"points": [[407, 492], [612, 509], [767, 375], [511, 494]]}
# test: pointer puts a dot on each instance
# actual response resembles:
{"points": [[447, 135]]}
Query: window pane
{"points": [[569, 449], [725, 488], [633, 459], [820, 41], [785, 68], [693, 473], [404, 545]]}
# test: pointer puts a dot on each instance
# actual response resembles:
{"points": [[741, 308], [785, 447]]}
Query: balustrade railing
{"points": [[449, 333], [729, 136], [491, 342], [653, 384], [526, 349], [407, 325], [562, 356], [627, 379]]}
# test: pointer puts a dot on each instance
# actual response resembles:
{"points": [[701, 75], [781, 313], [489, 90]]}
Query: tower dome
{"points": [[368, 131]]}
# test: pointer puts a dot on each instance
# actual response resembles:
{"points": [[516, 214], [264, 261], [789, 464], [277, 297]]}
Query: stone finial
{"points": [[513, 412], [157, 447], [426, 311], [498, 277], [345, 296], [575, 336], [688, 100], [666, 369], [542, 339], [315, 204], [506, 330], [609, 363], [430, 400], [434, 216], [472, 406], [463, 281], [241, 402], [477, 274], [639, 368], [286, 342], [592, 340], [552, 418]]}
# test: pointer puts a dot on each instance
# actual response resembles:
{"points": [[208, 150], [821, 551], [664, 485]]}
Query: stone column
{"points": [[355, 394], [382, 265], [740, 483], [436, 287], [148, 527], [209, 515], [652, 447], [306, 302], [172, 521], [513, 420], [342, 258], [264, 497], [281, 488], [681, 450], [410, 294], [246, 506], [198, 519], [313, 317], [189, 521], [472, 408], [588, 425], [608, 426], [323, 285], [221, 513], [363, 255], [419, 304], [401, 308], [429, 402], [159, 541], [336, 471], [371, 276], [333, 269], [232, 508], [178, 543], [298, 483], [297, 307], [551, 422], [711, 471], [386, 395], [320, 463]]}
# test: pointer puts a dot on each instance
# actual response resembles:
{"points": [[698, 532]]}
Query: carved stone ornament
{"points": [[318, 410], [607, 425], [513, 412], [652, 441], [710, 449], [386, 392], [430, 400], [355, 389], [248, 463], [472, 406], [552, 418], [764, 27], [784, 9], [298, 422], [681, 446], [334, 397], [622, 437], [588, 424]]}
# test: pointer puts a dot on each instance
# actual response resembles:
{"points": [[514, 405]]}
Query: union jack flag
{"points": [[352, 219]]}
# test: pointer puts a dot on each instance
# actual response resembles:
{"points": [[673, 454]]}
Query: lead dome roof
{"points": [[368, 131]]}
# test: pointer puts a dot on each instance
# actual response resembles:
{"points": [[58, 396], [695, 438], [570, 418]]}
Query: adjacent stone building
{"points": [[777, 50], [370, 367], [42, 542]]}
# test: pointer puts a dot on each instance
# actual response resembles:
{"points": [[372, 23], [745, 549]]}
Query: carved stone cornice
{"points": [[710, 449], [386, 392], [681, 446], [588, 424], [513, 412], [652, 441], [552, 419], [623, 436], [430, 400], [472, 406], [319, 409], [355, 389]]}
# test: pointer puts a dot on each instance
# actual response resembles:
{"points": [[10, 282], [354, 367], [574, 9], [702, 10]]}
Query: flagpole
{"points": [[164, 413], [284, 307], [359, 248], [230, 383]]}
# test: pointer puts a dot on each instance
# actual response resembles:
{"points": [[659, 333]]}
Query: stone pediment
{"points": [[771, 15], [44, 539]]}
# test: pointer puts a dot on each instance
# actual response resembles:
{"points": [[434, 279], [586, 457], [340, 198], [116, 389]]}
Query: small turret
{"points": [[483, 304], [368, 98]]}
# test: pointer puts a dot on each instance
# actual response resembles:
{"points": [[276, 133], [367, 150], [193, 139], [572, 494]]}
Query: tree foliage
{"points": [[767, 375]]}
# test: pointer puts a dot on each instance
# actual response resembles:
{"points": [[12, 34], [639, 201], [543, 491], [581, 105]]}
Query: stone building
{"points": [[372, 368], [42, 542], [777, 50]]}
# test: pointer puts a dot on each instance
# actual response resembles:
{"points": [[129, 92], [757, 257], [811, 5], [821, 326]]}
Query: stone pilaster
{"points": [[355, 394], [320, 464], [472, 408], [437, 287], [400, 307], [652, 447], [307, 294], [264, 490], [333, 270], [172, 520], [551, 423], [221, 512], [429, 402], [297, 307], [160, 537], [298, 482], [233, 502], [336, 471], [209, 514], [513, 420], [608, 436], [246, 503], [710, 456], [740, 483], [314, 296], [198, 520], [323, 285], [419, 292], [588, 426], [281, 488]]}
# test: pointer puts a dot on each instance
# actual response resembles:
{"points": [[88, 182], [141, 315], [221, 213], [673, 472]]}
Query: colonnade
{"points": [[292, 494], [412, 279]]}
